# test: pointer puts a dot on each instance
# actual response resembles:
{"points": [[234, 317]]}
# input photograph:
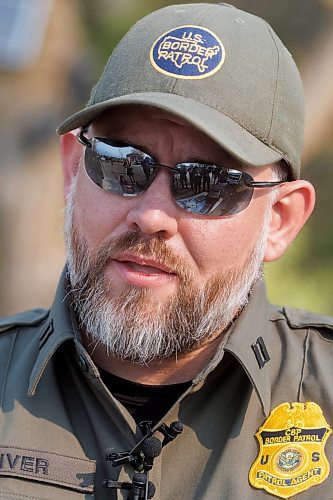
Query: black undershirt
{"points": [[143, 402]]}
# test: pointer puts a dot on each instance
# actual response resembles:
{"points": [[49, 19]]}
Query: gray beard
{"points": [[132, 325]]}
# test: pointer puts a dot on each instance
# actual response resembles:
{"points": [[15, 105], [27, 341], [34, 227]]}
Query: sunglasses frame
{"points": [[247, 179]]}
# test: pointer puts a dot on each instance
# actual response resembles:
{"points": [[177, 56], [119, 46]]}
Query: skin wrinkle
{"points": [[132, 326]]}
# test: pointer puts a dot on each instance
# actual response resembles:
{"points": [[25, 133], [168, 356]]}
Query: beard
{"points": [[133, 325]]}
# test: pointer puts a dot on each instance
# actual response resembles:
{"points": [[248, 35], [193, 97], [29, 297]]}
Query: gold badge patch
{"points": [[291, 457]]}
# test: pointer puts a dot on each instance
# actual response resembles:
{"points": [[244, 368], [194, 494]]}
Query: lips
{"points": [[144, 265]]}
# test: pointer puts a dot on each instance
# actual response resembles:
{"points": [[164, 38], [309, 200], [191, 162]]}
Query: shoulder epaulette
{"points": [[27, 318], [300, 318]]}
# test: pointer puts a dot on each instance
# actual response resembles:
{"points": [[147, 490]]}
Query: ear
{"points": [[292, 208], [70, 152]]}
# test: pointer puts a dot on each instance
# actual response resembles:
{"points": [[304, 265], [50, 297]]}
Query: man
{"points": [[160, 368]]}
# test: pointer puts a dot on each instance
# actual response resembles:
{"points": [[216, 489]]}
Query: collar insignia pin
{"points": [[291, 457]]}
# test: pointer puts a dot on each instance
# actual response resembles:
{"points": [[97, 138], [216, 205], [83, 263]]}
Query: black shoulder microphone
{"points": [[170, 433], [142, 458], [151, 448], [139, 482], [151, 490]]}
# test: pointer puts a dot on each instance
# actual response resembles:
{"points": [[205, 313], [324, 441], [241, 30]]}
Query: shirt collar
{"points": [[57, 330], [245, 340], [241, 341]]}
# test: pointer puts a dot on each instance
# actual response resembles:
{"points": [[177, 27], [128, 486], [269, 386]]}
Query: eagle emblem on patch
{"points": [[188, 52], [291, 457]]}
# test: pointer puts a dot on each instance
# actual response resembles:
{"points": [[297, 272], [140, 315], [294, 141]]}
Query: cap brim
{"points": [[220, 128]]}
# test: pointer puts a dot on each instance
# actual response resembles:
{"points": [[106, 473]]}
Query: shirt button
{"points": [[82, 363]]}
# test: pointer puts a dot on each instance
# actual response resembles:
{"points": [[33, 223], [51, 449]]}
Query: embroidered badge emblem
{"points": [[188, 52], [291, 457]]}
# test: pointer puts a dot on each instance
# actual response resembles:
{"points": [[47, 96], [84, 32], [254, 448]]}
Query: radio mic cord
{"points": [[151, 448]]}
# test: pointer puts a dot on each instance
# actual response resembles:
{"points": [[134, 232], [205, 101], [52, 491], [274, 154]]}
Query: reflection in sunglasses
{"points": [[201, 188]]}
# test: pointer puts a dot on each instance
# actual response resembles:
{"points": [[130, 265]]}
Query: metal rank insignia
{"points": [[291, 457]]}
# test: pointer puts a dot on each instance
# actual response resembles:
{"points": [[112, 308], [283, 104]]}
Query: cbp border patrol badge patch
{"points": [[291, 457], [188, 52]]}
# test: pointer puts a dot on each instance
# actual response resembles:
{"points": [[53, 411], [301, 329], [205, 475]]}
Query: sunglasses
{"points": [[200, 188]]}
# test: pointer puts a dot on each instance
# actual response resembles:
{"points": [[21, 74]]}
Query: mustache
{"points": [[153, 247]]}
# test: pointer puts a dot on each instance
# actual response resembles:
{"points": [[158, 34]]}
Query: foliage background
{"points": [[79, 38]]}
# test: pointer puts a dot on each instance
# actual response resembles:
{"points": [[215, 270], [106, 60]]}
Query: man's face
{"points": [[150, 274]]}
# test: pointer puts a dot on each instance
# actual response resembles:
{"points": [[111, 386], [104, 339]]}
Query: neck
{"points": [[172, 370]]}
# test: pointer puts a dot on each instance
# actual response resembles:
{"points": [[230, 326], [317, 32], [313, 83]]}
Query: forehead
{"points": [[153, 128]]}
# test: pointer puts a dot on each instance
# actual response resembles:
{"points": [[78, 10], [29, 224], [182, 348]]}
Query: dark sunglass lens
{"points": [[118, 168], [210, 190]]}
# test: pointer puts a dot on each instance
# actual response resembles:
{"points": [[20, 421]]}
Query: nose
{"points": [[154, 211]]}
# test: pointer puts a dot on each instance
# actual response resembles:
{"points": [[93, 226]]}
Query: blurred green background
{"points": [[47, 68]]}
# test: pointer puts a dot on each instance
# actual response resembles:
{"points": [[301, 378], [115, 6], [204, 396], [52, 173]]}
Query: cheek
{"points": [[97, 214], [222, 244]]}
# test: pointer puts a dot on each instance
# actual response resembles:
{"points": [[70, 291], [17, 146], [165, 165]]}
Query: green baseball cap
{"points": [[221, 69]]}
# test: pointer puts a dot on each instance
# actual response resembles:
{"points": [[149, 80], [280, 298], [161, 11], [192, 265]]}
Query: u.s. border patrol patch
{"points": [[291, 457], [188, 52]]}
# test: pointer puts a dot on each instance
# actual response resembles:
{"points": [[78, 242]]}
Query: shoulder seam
{"points": [[305, 350], [28, 318], [310, 320], [3, 389]]}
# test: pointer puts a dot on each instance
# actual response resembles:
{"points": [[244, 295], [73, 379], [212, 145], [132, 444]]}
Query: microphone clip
{"points": [[171, 432], [123, 457]]}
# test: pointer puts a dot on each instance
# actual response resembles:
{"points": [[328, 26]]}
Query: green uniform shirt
{"points": [[58, 419]]}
